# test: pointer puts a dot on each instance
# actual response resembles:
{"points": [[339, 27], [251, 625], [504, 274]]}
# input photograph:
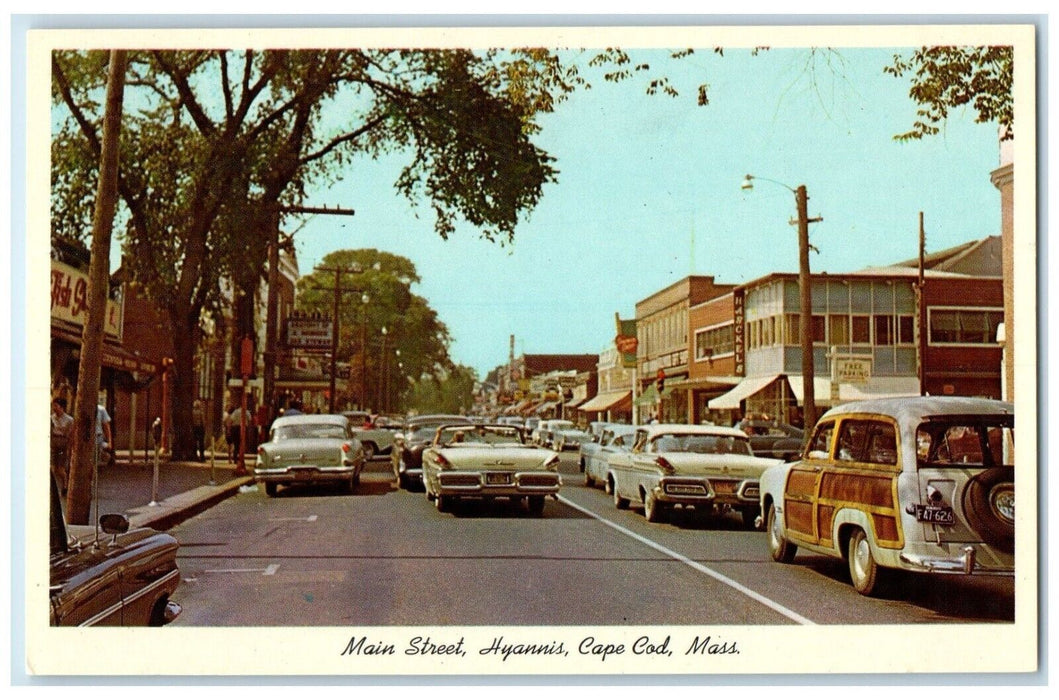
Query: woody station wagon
{"points": [[920, 484]]}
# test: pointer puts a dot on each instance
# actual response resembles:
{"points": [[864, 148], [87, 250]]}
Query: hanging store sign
{"points": [[69, 300], [738, 332], [309, 333]]}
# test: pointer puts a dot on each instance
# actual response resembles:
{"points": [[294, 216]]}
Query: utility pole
{"points": [[806, 302], [338, 290], [272, 312]]}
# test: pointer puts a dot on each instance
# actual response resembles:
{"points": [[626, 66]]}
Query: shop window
{"points": [[884, 330], [906, 333], [819, 329], [964, 326]]}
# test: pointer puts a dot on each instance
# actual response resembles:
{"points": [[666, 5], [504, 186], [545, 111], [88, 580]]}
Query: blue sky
{"points": [[649, 192]]}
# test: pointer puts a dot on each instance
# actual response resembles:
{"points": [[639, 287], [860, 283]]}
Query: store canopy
{"points": [[875, 388], [547, 406], [744, 389], [605, 401]]}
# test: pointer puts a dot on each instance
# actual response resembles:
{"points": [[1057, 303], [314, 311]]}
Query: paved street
{"points": [[382, 557]]}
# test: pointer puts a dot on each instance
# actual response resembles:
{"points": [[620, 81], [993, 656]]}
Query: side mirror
{"points": [[114, 523]]}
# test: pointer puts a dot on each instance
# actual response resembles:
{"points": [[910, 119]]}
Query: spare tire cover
{"points": [[989, 506]]}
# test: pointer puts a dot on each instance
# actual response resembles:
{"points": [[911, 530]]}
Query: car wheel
{"points": [[535, 504], [608, 486], [589, 481], [619, 502], [779, 547], [863, 570], [443, 503], [581, 464], [750, 515], [369, 450], [654, 511], [270, 488]]}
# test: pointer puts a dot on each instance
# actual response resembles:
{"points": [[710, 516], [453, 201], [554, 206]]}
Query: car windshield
{"points": [[423, 431], [478, 435], [986, 441], [307, 430], [700, 444]]}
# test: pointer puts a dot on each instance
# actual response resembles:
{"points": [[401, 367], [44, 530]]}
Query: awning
{"points": [[529, 407], [715, 382], [574, 403], [875, 388], [546, 406], [113, 356], [744, 389], [605, 401]]}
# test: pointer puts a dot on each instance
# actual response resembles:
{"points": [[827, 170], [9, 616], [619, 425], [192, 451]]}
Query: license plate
{"points": [[498, 478], [939, 515], [724, 487]]}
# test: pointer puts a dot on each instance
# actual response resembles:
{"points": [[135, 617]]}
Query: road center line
{"points": [[789, 614]]}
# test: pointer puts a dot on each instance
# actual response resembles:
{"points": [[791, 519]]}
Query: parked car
{"points": [[488, 461], [774, 439], [548, 429], [406, 458], [616, 438], [309, 448], [707, 467], [112, 575], [919, 484], [569, 439]]}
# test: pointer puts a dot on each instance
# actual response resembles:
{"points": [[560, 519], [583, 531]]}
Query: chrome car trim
{"points": [[103, 614], [150, 588], [965, 564]]}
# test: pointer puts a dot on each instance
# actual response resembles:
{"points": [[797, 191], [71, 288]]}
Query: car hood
{"points": [[496, 458], [743, 466], [76, 568]]}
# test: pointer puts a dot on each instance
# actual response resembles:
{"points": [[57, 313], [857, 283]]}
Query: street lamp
{"points": [[801, 199]]}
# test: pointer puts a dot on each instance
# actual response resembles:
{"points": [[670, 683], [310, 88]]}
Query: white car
{"points": [[921, 484], [594, 455], [309, 449], [485, 462], [569, 439], [706, 467]]}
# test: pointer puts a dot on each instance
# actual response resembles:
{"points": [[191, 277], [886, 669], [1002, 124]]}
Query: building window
{"points": [[714, 341], [964, 326], [906, 330], [819, 329], [838, 326], [884, 330], [861, 330]]}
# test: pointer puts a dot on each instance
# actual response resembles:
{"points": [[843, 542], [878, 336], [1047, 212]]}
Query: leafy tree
{"points": [[947, 77], [220, 142], [413, 328], [449, 391]]}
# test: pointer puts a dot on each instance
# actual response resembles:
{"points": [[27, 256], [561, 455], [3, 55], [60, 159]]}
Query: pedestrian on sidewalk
{"points": [[198, 428], [104, 440], [62, 424], [231, 432]]}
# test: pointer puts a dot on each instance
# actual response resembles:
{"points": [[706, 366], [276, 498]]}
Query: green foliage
{"points": [[948, 77], [448, 392]]}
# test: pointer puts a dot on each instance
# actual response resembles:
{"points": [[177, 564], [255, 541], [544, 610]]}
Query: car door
{"points": [[803, 481], [861, 476], [620, 464]]}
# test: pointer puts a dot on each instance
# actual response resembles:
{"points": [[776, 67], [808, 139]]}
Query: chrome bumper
{"points": [[966, 563], [521, 484], [690, 490]]}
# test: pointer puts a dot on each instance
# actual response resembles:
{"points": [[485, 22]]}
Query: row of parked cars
{"points": [[922, 484]]}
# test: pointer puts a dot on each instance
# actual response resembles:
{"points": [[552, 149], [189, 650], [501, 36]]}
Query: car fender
{"points": [[848, 518]]}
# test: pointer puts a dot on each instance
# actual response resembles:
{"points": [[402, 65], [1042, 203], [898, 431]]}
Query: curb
{"points": [[176, 509]]}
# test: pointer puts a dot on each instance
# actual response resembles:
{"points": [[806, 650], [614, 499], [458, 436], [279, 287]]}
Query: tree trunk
{"points": [[182, 388], [83, 452]]}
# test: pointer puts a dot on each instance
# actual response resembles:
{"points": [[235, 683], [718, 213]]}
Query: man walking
{"points": [[198, 428], [61, 425]]}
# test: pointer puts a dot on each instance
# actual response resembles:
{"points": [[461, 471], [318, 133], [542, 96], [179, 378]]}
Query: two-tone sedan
{"points": [[920, 484], [309, 449], [485, 462], [415, 436], [595, 455], [706, 467]]}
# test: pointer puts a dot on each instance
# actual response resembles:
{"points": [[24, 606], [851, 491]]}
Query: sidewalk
{"points": [[184, 488]]}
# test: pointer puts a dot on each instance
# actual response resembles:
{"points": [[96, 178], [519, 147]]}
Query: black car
{"points": [[113, 575], [415, 436], [773, 439]]}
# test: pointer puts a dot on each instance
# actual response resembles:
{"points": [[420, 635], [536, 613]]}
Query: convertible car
{"points": [[309, 449], [488, 461], [706, 467]]}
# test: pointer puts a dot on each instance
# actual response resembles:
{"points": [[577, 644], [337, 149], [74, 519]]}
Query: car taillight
{"points": [[346, 447], [442, 462], [260, 451], [664, 464]]}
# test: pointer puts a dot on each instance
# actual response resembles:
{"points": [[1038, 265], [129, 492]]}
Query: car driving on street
{"points": [[314, 448], [415, 435], [486, 462]]}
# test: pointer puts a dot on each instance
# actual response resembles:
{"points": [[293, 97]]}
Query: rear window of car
{"points": [[960, 443], [308, 430]]}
